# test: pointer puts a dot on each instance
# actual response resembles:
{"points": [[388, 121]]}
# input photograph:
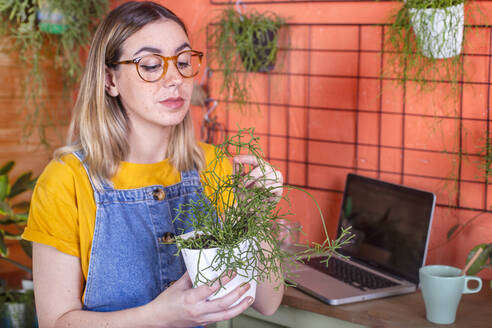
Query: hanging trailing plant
{"points": [[243, 42], [47, 33], [425, 41]]}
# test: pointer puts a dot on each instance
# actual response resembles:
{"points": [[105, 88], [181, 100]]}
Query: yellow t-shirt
{"points": [[63, 210]]}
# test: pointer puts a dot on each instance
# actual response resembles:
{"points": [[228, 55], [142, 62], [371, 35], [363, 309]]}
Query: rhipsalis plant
{"points": [[37, 47], [236, 212], [243, 42], [424, 42]]}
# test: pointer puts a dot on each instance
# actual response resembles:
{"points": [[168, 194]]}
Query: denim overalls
{"points": [[129, 266]]}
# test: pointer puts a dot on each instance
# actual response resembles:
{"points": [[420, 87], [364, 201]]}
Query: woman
{"points": [[101, 208]]}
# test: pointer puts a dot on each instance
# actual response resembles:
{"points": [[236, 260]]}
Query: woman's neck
{"points": [[149, 145]]}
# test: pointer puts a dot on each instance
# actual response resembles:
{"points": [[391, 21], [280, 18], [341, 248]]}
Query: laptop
{"points": [[391, 225]]}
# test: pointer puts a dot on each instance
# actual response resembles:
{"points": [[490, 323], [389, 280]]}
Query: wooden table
{"points": [[474, 310]]}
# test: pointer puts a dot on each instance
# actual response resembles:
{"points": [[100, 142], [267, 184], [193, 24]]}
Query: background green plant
{"points": [[484, 260], [246, 213], [406, 60], [232, 39], [34, 49], [14, 212], [27, 317]]}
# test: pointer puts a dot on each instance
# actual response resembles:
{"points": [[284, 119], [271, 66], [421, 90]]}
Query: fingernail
{"points": [[250, 300]]}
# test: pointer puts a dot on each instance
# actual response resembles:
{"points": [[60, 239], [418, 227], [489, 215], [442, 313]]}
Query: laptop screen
{"points": [[390, 223]]}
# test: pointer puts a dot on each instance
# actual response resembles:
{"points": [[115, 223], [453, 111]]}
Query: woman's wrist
{"points": [[151, 316]]}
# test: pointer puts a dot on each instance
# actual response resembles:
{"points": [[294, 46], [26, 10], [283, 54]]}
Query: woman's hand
{"points": [[181, 305], [262, 175]]}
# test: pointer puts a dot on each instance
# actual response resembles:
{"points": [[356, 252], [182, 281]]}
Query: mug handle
{"points": [[467, 290]]}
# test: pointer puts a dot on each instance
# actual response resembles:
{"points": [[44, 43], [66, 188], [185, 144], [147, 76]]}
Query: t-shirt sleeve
{"points": [[214, 178], [53, 215]]}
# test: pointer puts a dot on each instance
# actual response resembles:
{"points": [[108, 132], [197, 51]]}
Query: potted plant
{"points": [[47, 33], [17, 309], [243, 41], [423, 32], [438, 26], [238, 228], [16, 306], [484, 260]]}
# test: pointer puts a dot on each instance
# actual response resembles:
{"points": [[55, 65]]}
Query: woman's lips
{"points": [[173, 103]]}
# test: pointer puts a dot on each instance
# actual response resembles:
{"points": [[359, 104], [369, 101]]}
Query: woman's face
{"points": [[158, 104]]}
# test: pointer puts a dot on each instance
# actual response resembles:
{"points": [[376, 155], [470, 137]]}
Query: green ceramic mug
{"points": [[442, 287]]}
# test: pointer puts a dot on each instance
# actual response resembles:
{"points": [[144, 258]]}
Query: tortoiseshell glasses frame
{"points": [[153, 73]]}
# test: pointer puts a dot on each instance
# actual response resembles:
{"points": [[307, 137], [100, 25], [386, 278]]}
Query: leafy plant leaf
{"points": [[21, 217], [5, 208], [3, 247], [7, 221], [4, 186], [27, 247], [7, 167], [22, 184], [9, 235], [452, 230], [482, 259]]}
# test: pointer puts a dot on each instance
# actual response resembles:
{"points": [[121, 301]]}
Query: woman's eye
{"points": [[150, 68], [183, 64]]}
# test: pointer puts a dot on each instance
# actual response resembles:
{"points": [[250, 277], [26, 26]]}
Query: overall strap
{"points": [[81, 158], [189, 175]]}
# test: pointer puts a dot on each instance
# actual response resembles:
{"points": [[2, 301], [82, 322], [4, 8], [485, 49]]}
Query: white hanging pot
{"points": [[439, 31], [199, 261]]}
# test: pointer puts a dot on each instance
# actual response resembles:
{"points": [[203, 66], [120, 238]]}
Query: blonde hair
{"points": [[99, 124]]}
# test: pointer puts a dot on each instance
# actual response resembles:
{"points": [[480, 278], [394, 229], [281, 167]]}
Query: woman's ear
{"points": [[109, 82]]}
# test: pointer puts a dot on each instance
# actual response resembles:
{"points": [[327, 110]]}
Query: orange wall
{"points": [[29, 153], [357, 125], [379, 113]]}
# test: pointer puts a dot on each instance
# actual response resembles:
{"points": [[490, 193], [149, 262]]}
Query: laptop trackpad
{"points": [[322, 284]]}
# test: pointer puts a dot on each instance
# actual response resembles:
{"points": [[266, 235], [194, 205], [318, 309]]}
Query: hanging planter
{"points": [[256, 42], [420, 36], [47, 34], [243, 41], [439, 31], [50, 20]]}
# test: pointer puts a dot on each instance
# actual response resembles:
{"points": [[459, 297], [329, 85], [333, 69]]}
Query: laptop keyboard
{"points": [[350, 274]]}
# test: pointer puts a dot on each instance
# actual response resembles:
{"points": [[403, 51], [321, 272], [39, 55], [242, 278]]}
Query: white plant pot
{"points": [[439, 31], [199, 261], [17, 314], [27, 284]]}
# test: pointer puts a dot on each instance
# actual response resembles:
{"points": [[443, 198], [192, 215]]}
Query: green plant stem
{"points": [[17, 264], [251, 216]]}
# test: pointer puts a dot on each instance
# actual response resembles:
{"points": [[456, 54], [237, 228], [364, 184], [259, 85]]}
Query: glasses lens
{"points": [[188, 63], [150, 68]]}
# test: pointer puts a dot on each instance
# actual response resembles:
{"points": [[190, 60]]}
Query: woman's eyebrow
{"points": [[149, 49], [183, 46]]}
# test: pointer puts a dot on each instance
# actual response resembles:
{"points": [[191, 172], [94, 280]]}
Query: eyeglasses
{"points": [[152, 68]]}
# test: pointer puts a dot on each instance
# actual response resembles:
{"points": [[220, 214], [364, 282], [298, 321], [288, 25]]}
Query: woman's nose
{"points": [[172, 76]]}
